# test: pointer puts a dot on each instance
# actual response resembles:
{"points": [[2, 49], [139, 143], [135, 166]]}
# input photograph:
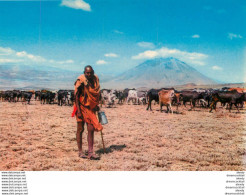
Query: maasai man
{"points": [[87, 93]]}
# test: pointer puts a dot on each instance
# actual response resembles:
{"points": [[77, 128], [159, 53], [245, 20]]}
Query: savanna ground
{"points": [[42, 137]]}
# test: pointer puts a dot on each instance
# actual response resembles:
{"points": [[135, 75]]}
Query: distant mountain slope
{"points": [[159, 72], [21, 76], [36, 77]]}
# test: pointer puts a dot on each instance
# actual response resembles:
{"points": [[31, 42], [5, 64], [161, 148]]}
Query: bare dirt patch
{"points": [[42, 137]]}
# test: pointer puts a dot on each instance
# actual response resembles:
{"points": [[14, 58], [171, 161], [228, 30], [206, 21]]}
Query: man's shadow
{"points": [[111, 149]]}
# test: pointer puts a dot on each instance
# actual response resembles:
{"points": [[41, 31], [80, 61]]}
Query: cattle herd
{"points": [[61, 97], [207, 98]]}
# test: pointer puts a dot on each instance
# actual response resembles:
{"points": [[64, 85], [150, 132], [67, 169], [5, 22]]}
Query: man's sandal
{"points": [[82, 156], [93, 157]]}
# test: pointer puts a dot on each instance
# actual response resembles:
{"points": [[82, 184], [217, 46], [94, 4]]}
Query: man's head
{"points": [[89, 72]]}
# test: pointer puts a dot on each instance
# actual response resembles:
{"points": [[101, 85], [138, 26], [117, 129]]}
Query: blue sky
{"points": [[116, 35]]}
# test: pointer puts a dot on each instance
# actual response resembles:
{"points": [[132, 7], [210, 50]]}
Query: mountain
{"points": [[33, 77], [39, 77], [159, 72]]}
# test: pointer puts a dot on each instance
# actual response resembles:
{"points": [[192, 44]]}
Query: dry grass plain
{"points": [[42, 137]]}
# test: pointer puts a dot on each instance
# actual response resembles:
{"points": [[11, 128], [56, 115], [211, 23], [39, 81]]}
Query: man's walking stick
{"points": [[103, 142]]}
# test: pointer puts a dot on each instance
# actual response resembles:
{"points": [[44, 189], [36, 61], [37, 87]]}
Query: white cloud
{"points": [[189, 57], [217, 68], [196, 36], [34, 58], [6, 51], [76, 4], [101, 62], [69, 61], [148, 45], [9, 55], [111, 55], [146, 55], [62, 62], [10, 60], [66, 62], [234, 36], [118, 32]]}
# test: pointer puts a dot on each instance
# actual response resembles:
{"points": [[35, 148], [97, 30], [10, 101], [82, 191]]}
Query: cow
{"points": [[121, 96], [108, 96], [191, 96], [26, 96], [239, 90], [152, 94], [16, 95], [104, 95], [9, 95], [69, 98], [37, 95], [19, 95], [230, 97], [132, 95], [43, 97], [165, 98], [176, 99], [3, 96], [72, 97], [207, 98], [142, 97], [62, 97], [51, 97], [47, 97], [136, 96]]}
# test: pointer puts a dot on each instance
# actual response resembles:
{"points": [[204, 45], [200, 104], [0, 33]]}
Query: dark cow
{"points": [[191, 96], [47, 97], [51, 97], [230, 97], [26, 96], [152, 94], [43, 97], [37, 95], [18, 96], [9, 96], [3, 95], [207, 97], [120, 96], [176, 99], [62, 97], [15, 95]]}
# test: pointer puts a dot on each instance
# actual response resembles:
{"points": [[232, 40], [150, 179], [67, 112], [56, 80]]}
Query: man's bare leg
{"points": [[80, 130], [90, 140]]}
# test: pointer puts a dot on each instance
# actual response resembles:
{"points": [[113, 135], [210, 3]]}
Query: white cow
{"points": [[132, 95], [108, 96], [137, 96]]}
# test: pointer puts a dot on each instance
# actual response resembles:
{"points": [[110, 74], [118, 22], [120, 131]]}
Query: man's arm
{"points": [[79, 87]]}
